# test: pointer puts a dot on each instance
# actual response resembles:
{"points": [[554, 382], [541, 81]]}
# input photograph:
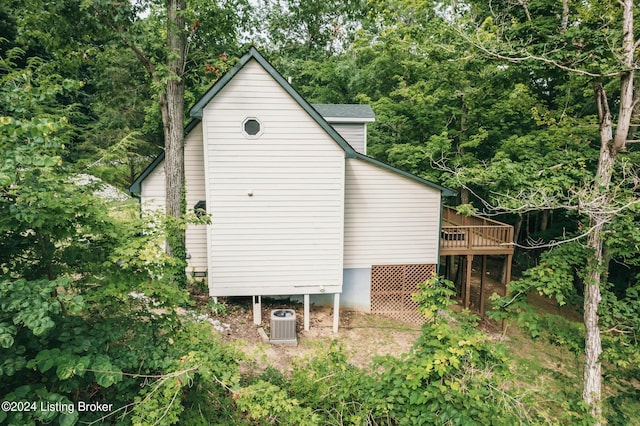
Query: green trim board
{"points": [[439, 239], [136, 186]]}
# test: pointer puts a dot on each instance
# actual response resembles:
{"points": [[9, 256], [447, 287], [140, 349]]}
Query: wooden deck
{"points": [[469, 235]]}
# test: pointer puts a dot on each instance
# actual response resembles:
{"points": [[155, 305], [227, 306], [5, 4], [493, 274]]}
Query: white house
{"points": [[296, 206]]}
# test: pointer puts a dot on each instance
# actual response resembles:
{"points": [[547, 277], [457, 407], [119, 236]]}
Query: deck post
{"points": [[458, 278], [257, 310], [306, 312], [506, 281], [507, 272], [336, 311], [467, 284], [482, 278], [451, 268]]}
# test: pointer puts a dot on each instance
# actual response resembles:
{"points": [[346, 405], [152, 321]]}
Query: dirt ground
{"points": [[363, 335]]}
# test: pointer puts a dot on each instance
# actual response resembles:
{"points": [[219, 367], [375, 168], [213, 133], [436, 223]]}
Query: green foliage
{"points": [[311, 29], [452, 376], [218, 308], [87, 300], [87, 305], [466, 209], [433, 296], [455, 374], [336, 389], [269, 404], [558, 275]]}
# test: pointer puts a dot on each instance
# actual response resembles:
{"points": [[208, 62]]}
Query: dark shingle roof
{"points": [[352, 112]]}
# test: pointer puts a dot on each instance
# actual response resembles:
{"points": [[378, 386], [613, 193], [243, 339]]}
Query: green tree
{"points": [[163, 39], [111, 108], [70, 265], [308, 30], [577, 40]]}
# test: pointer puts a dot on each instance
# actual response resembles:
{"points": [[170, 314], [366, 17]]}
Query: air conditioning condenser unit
{"points": [[283, 327]]}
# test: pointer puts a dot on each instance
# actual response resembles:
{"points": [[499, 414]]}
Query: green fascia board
{"points": [[191, 125], [446, 192], [253, 53], [136, 186]]}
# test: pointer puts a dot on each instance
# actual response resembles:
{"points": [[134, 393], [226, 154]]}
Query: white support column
{"points": [[336, 311], [306, 312], [215, 300], [257, 310]]}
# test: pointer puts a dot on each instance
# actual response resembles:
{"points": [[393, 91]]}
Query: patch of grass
{"points": [[622, 402], [549, 375], [552, 375]]}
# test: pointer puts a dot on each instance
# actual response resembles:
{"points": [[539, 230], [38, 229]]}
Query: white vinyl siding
{"points": [[354, 133], [196, 235], [152, 193], [152, 196], [389, 219], [287, 236]]}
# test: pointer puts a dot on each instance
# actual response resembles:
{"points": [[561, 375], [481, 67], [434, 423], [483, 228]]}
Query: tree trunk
{"points": [[464, 196], [517, 228], [564, 22], [172, 106], [610, 146], [592, 390], [544, 220]]}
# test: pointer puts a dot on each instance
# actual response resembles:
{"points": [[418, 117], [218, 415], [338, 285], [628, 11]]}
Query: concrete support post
{"points": [[306, 312], [257, 310], [336, 312]]}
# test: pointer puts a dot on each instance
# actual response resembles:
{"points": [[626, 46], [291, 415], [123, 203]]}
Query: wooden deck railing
{"points": [[450, 216], [474, 233]]}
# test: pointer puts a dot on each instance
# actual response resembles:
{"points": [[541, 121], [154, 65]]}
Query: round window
{"points": [[252, 127]]}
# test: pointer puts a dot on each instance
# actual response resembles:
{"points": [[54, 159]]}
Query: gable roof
{"points": [[197, 111]]}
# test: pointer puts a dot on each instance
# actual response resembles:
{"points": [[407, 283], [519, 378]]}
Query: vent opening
{"points": [[252, 127]]}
